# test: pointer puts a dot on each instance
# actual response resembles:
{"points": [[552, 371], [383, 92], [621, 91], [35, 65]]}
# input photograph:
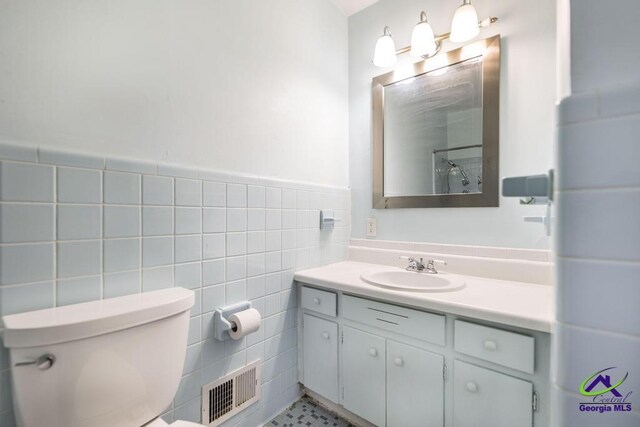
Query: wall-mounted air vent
{"points": [[227, 396]]}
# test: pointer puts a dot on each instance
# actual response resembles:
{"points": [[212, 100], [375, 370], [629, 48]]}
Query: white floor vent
{"points": [[227, 396]]}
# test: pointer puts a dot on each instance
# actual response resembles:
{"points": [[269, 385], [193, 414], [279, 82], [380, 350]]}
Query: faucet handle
{"points": [[430, 267]]}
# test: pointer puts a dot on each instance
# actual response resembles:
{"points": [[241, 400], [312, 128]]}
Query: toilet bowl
{"points": [[110, 363], [159, 422]]}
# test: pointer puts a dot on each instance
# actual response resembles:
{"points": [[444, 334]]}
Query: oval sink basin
{"points": [[403, 280]]}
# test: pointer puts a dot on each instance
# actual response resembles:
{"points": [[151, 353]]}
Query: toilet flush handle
{"points": [[43, 362]]}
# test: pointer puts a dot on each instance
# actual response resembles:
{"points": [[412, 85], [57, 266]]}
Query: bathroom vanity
{"points": [[476, 356]]}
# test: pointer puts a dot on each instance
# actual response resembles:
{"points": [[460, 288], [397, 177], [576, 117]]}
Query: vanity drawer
{"points": [[405, 321], [495, 345], [319, 301]]}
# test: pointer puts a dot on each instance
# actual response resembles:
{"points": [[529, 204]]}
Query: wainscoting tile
{"points": [[26, 182], [79, 186], [129, 228], [122, 188]]}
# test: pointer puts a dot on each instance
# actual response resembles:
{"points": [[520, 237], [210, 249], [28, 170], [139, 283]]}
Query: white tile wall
{"points": [[78, 258], [76, 222], [157, 190], [26, 182], [121, 255], [598, 248], [77, 290], [188, 192], [22, 222], [121, 221], [73, 230], [26, 263], [188, 248], [214, 194], [120, 284], [122, 188], [188, 220], [157, 221], [79, 186]]}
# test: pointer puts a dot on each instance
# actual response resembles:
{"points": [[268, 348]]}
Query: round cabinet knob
{"points": [[325, 335], [316, 300], [373, 352], [490, 345], [472, 387], [398, 361]]}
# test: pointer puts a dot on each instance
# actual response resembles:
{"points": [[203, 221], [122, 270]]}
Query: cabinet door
{"points": [[415, 387], [482, 397], [320, 357], [363, 375]]}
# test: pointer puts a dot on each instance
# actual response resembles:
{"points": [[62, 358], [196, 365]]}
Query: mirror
{"points": [[436, 130]]}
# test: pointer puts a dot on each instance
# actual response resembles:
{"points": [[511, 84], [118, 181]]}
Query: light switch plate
{"points": [[372, 227]]}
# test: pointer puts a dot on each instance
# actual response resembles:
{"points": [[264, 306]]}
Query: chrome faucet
{"points": [[420, 267], [414, 264]]}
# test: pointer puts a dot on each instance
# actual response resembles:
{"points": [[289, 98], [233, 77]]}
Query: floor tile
{"points": [[306, 412]]}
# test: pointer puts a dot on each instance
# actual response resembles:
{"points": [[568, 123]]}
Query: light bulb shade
{"points": [[423, 42], [385, 54], [464, 26]]}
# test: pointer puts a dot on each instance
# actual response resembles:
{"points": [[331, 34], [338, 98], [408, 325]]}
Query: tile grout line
{"points": [[55, 234]]}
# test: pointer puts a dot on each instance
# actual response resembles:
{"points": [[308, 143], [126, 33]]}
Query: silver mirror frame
{"points": [[489, 49]]}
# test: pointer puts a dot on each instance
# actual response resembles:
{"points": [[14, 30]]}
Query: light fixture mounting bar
{"points": [[438, 39]]}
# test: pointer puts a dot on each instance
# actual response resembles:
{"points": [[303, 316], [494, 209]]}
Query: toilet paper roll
{"points": [[244, 322]]}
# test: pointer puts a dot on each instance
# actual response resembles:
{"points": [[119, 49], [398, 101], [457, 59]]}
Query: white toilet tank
{"points": [[118, 362]]}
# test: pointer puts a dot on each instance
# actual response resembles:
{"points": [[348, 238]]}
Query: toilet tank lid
{"points": [[89, 319]]}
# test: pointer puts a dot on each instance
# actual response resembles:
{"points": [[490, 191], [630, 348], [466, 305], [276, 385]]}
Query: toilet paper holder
{"points": [[221, 325]]}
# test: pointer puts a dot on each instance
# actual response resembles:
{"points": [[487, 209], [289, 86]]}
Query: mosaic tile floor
{"points": [[306, 412]]}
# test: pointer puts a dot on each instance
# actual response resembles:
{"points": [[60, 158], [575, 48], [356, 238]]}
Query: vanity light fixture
{"points": [[385, 54], [424, 43], [464, 26]]}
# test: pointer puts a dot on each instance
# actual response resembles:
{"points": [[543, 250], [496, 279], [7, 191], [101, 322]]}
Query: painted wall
{"points": [[527, 99], [246, 86]]}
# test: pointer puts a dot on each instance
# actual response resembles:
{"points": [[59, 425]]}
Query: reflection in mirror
{"points": [[433, 132], [436, 131]]}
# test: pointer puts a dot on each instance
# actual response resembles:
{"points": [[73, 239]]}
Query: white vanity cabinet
{"points": [[415, 386], [363, 377], [398, 366], [320, 342], [484, 398], [383, 374]]}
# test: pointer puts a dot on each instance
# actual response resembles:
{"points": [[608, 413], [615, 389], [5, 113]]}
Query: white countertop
{"points": [[518, 304]]}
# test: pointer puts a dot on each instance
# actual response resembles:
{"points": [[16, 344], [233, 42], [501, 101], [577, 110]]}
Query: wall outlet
{"points": [[372, 227]]}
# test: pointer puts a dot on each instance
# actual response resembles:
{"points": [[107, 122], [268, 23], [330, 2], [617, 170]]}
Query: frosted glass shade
{"points": [[385, 54], [423, 42], [464, 26]]}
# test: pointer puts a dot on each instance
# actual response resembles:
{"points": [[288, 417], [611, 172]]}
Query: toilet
{"points": [[110, 363]]}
